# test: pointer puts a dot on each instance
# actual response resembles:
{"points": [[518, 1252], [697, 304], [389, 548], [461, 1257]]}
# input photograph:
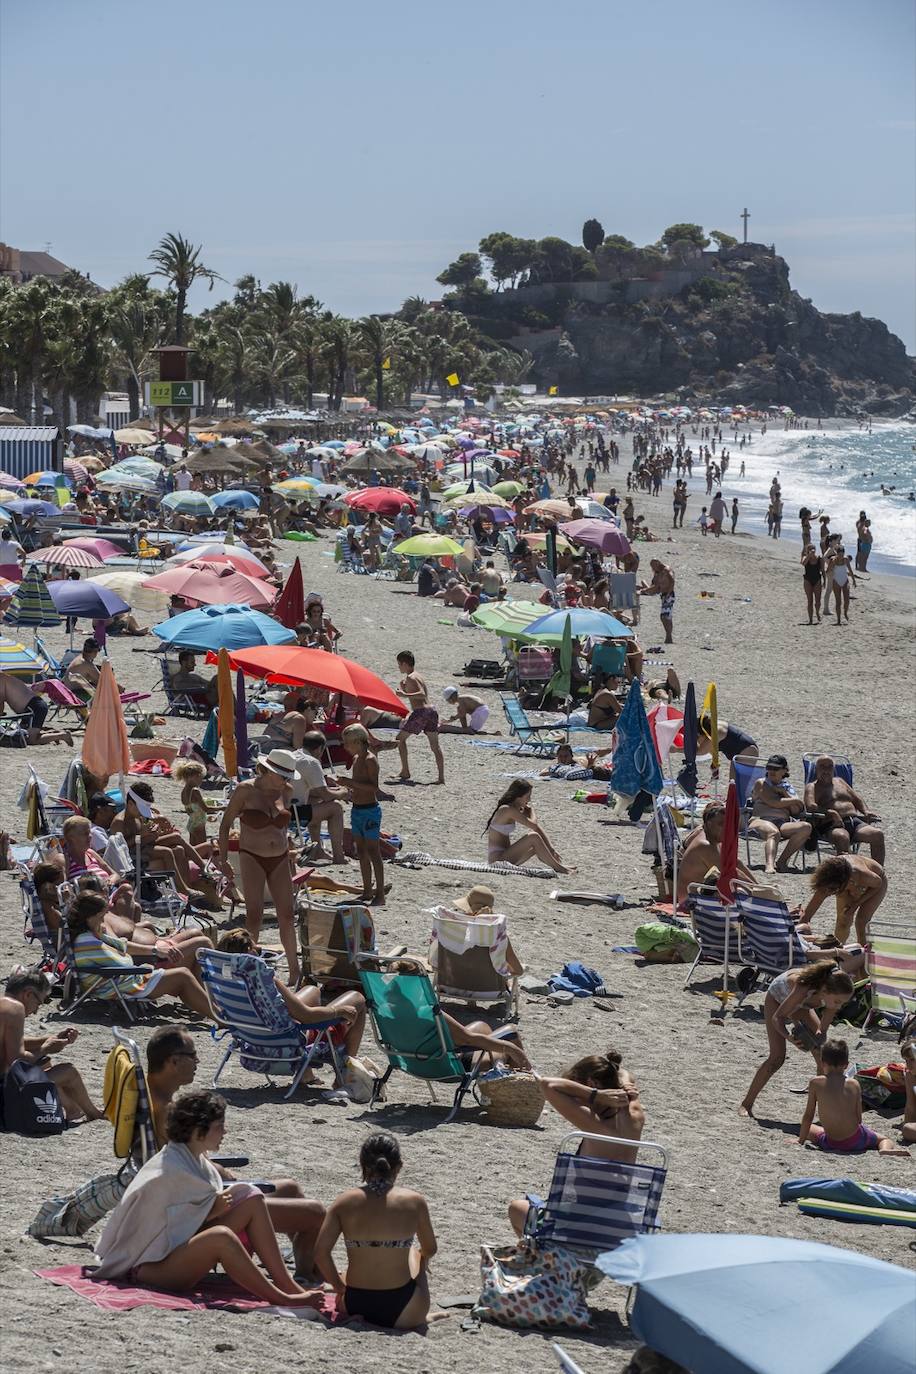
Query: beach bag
{"points": [[31, 1102], [359, 1079], [883, 1086], [526, 1285], [121, 1096], [660, 943]]}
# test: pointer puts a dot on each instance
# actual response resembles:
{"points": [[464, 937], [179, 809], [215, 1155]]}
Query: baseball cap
{"points": [[778, 761]]}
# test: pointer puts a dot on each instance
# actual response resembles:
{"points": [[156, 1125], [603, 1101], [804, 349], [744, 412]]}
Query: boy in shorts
{"points": [[365, 814], [423, 718], [837, 1100]]}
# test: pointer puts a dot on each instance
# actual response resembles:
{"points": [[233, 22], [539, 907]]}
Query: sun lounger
{"points": [[892, 971]]}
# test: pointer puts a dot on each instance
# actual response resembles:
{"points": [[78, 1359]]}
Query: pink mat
{"points": [[218, 1293]]}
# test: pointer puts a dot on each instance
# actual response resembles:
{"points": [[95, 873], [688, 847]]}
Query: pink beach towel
{"points": [[214, 1293]]}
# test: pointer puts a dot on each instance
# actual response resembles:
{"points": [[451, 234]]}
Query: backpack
{"points": [[31, 1102], [121, 1098]]}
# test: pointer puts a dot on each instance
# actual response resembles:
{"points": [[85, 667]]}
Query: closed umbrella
{"points": [[65, 556], [636, 765], [222, 627], [227, 714], [710, 710], [317, 668], [289, 607], [728, 849], [738, 1304], [687, 777], [241, 722], [560, 685], [598, 534], [106, 749], [32, 605]]}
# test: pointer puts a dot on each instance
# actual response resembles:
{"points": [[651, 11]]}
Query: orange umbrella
{"points": [[227, 713], [106, 750]]}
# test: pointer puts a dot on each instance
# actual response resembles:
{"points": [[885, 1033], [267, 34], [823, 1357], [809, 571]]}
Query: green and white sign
{"points": [[174, 393]]}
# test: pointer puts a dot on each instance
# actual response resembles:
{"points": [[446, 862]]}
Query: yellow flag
{"points": [[710, 708], [452, 379], [551, 391], [386, 364]]}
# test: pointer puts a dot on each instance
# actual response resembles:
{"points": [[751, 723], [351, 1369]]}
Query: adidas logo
{"points": [[47, 1104]]}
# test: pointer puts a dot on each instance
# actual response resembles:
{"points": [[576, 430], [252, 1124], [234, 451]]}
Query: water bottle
{"points": [[618, 901]]}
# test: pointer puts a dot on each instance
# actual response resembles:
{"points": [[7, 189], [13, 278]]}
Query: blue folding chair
{"points": [[594, 1204], [251, 1013], [747, 773], [842, 766], [528, 735]]}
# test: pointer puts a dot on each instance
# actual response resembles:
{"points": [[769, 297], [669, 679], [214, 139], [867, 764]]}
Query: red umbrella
{"points": [[381, 500], [227, 588], [316, 668], [290, 605], [728, 849], [600, 533]]}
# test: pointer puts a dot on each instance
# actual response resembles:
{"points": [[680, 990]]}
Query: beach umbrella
{"points": [[742, 1304], [296, 487], [125, 481], [554, 509], [598, 534], [212, 546], [192, 503], [507, 618], [243, 563], [86, 600], [102, 548], [584, 622], [30, 507], [636, 767], [129, 586], [728, 849], [213, 588], [7, 589], [106, 749], [226, 713], [5, 517], [497, 514], [428, 546], [46, 477], [289, 607], [235, 500], [210, 628], [32, 605], [560, 685], [317, 668], [509, 490], [129, 435], [65, 556], [537, 539], [381, 500], [241, 722], [8, 480], [19, 661], [687, 777], [710, 708]]}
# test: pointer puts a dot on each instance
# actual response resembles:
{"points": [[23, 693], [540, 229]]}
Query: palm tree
{"points": [[378, 339], [29, 319], [237, 367], [178, 260], [273, 362], [335, 350], [138, 325]]}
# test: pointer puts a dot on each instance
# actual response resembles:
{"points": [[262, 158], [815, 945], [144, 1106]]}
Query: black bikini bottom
{"points": [[381, 1306]]}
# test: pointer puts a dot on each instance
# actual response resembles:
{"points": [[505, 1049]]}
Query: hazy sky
{"points": [[356, 148]]}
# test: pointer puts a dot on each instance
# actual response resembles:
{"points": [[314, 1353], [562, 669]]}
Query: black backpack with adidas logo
{"points": [[30, 1102]]}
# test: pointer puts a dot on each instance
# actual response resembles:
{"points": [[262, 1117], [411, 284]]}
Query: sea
{"points": [[837, 472]]}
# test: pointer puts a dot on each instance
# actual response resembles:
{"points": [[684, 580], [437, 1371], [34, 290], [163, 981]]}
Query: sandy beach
{"points": [[796, 689]]}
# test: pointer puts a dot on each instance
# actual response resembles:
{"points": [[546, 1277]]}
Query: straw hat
{"points": [[477, 900]]}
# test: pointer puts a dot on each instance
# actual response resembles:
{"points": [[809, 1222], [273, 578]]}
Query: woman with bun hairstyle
{"points": [[598, 1097], [389, 1241]]}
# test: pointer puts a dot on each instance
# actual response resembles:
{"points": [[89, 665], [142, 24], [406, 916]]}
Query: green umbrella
{"points": [[508, 489], [508, 618], [428, 546], [560, 685]]}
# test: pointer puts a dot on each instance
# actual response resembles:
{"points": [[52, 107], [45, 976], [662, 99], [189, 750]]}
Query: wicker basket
{"points": [[512, 1099]]}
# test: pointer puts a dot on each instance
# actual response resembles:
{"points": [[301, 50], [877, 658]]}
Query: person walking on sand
{"points": [[812, 580], [423, 718], [718, 511], [662, 585], [365, 813], [838, 568]]}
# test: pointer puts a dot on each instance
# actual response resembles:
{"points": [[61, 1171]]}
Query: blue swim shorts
{"points": [[366, 822]]}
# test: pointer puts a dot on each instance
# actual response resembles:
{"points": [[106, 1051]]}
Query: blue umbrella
{"points": [[87, 600], [30, 507], [222, 627], [687, 777], [584, 621], [636, 765], [235, 500], [729, 1304]]}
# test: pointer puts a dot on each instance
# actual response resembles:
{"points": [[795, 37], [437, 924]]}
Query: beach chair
{"points": [[623, 592], [468, 958], [842, 765], [716, 929], [144, 1134], [105, 985], [595, 1204], [331, 939], [35, 925], [770, 941], [747, 772], [410, 1031], [533, 670], [529, 736], [179, 703], [891, 965], [251, 1014], [14, 731]]}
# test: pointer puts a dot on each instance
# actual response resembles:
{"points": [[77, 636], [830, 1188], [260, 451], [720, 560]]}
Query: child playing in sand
{"points": [[838, 1102], [191, 775]]}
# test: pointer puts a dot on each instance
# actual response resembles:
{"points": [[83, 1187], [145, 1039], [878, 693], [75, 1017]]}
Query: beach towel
{"points": [[219, 1294], [419, 859], [578, 979]]}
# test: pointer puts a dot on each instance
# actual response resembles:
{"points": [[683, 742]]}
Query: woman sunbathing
{"points": [[144, 942], [177, 1220], [514, 809], [389, 1240]]}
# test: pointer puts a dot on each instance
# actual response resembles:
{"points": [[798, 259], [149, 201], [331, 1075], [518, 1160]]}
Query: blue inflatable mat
{"points": [[845, 1200]]}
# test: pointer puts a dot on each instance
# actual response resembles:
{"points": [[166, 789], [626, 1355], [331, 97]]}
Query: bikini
{"points": [[381, 1306], [498, 828], [260, 820]]}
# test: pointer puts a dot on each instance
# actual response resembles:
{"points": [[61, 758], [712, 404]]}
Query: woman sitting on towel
{"points": [[178, 1220], [514, 809], [598, 1097]]}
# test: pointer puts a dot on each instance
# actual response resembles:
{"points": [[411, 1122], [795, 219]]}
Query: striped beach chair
{"points": [[717, 931], [595, 1204], [769, 939], [891, 964], [35, 925], [105, 983], [251, 1014]]}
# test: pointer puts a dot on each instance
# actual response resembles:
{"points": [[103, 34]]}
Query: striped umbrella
{"points": [[75, 469], [20, 661], [188, 503], [32, 604], [65, 556], [508, 618], [8, 480]]}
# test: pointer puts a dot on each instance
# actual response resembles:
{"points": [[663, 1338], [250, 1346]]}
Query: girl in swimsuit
{"points": [[813, 575], [512, 809], [389, 1240], [840, 564], [262, 808]]}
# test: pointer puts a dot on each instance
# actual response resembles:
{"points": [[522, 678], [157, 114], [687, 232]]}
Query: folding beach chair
{"points": [[595, 1204], [179, 703], [529, 736], [144, 1134], [14, 731], [35, 925], [891, 964], [468, 958], [747, 772], [95, 982], [716, 929], [331, 939], [409, 1028], [770, 941], [251, 1013], [842, 765]]}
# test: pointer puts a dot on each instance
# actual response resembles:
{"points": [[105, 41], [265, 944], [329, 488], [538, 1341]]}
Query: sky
{"points": [[357, 148]]}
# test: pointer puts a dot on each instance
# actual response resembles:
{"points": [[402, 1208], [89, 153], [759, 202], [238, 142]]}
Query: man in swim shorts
{"points": [[662, 585], [365, 813], [423, 718]]}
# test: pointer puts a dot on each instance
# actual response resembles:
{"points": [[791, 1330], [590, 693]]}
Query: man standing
{"points": [[662, 585], [734, 513], [313, 800]]}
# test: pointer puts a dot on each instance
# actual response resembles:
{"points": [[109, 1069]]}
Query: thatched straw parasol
{"points": [[236, 427], [8, 418]]}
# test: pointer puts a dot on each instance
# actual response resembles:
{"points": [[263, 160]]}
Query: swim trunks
{"points": [[421, 721], [862, 1139], [667, 604], [366, 821], [478, 717]]}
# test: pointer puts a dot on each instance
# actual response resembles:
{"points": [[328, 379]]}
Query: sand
{"points": [[795, 689]]}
